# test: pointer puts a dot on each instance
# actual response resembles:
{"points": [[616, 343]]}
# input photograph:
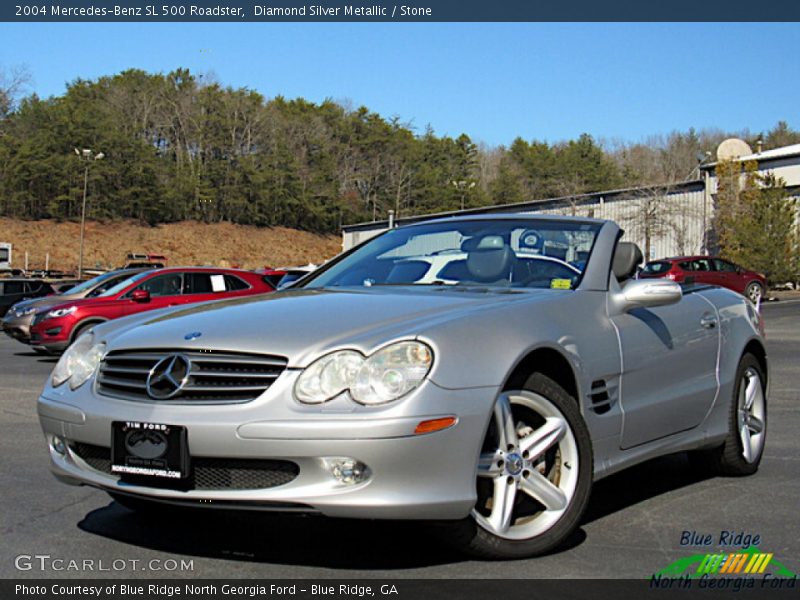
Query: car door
{"points": [[200, 286], [728, 275], [669, 368], [165, 290]]}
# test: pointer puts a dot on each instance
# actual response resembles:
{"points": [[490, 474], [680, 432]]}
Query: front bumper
{"points": [[18, 329], [53, 333], [429, 476]]}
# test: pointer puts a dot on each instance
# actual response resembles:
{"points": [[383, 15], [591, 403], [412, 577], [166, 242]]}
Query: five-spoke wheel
{"points": [[534, 474], [751, 415], [529, 467]]}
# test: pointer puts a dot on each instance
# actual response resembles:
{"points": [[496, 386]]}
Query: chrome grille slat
{"points": [[233, 374], [203, 358], [126, 370], [214, 377], [105, 379], [231, 388]]}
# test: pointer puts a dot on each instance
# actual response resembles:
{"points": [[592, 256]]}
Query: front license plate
{"points": [[149, 450]]}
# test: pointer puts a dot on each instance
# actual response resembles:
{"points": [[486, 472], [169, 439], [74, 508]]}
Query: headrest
{"points": [[489, 259], [627, 257], [486, 242]]}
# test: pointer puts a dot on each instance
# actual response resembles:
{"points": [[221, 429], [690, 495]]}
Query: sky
{"points": [[495, 82]]}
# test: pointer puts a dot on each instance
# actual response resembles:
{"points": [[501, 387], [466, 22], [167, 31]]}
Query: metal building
{"points": [[663, 221]]}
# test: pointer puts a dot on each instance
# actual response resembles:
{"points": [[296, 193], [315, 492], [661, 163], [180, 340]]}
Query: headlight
{"points": [[24, 312], [387, 375], [79, 362], [61, 312]]}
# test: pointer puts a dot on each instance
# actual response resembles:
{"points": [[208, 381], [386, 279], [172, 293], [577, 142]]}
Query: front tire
{"points": [[534, 475]]}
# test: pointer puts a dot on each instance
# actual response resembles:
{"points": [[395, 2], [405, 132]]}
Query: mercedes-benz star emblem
{"points": [[167, 378]]}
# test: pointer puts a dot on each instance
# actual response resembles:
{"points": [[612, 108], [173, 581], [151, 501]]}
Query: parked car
{"points": [[56, 327], [709, 270], [281, 277], [18, 319], [491, 404], [18, 289]]}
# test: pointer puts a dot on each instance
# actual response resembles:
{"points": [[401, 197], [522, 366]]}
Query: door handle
{"points": [[709, 322]]}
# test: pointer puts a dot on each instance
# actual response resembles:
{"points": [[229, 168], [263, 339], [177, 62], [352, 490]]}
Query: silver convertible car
{"points": [[488, 396]]}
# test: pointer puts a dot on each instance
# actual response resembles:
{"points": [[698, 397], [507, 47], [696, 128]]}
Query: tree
{"points": [[756, 221]]}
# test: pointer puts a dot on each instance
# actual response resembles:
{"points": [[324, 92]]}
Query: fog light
{"points": [[58, 445], [347, 471]]}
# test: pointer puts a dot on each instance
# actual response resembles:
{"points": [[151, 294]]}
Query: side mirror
{"points": [[648, 293], [140, 296]]}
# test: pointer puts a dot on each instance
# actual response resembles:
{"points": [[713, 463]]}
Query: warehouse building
{"points": [[664, 221]]}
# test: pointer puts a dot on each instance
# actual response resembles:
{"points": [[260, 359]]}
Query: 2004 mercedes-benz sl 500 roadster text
{"points": [[481, 371]]}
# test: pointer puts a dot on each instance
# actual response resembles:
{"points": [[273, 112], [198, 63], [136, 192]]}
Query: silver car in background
{"points": [[488, 395], [17, 321]]}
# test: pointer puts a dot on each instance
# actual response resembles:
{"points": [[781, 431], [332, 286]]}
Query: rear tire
{"points": [[755, 292], [539, 466], [743, 448]]}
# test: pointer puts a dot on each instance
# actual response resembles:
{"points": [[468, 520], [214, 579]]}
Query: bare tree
{"points": [[657, 212], [12, 84]]}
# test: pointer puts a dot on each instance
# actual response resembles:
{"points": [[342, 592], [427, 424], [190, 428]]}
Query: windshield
{"points": [[124, 284], [534, 253], [94, 281]]}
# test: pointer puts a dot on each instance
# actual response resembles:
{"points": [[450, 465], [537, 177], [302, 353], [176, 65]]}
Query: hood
{"points": [[43, 302], [303, 324], [65, 301]]}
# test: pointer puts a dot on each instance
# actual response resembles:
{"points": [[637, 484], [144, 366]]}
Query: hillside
{"points": [[184, 243]]}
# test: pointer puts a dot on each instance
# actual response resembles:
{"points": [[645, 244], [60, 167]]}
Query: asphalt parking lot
{"points": [[632, 528]]}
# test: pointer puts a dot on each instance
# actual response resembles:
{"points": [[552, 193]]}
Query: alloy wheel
{"points": [[751, 411], [528, 468], [754, 293]]}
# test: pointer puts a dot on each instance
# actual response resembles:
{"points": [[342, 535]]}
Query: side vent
{"points": [[603, 395]]}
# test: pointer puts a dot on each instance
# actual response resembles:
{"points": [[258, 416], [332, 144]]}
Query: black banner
{"points": [[401, 589], [394, 11]]}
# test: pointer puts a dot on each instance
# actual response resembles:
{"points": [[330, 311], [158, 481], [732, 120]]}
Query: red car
{"points": [[710, 270], [56, 327]]}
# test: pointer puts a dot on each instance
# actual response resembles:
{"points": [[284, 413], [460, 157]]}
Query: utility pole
{"points": [[88, 157]]}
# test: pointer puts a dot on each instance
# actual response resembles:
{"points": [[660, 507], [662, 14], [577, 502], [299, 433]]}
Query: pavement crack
{"points": [[40, 516]]}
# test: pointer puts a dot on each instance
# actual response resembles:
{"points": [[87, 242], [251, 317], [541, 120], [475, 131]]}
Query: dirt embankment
{"points": [[186, 243]]}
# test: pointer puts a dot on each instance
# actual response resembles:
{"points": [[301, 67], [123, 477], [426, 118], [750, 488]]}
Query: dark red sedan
{"points": [[56, 327], [710, 270]]}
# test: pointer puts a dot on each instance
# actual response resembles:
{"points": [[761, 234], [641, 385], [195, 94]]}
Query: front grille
{"points": [[39, 317], [213, 377], [208, 473], [241, 473]]}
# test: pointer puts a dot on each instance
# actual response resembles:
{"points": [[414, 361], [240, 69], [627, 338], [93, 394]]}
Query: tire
{"points": [[80, 331], [754, 291], [559, 439], [730, 458]]}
